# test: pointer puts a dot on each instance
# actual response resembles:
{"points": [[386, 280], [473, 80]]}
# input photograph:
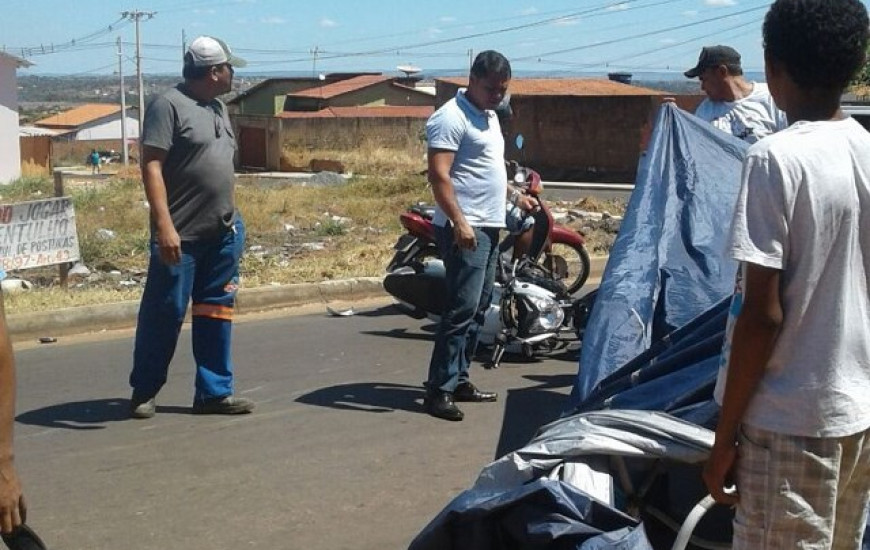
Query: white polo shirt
{"points": [[478, 173]]}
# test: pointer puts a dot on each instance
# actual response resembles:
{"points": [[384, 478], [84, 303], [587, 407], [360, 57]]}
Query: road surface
{"points": [[337, 455]]}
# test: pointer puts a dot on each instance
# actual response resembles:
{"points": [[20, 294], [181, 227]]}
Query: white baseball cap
{"points": [[207, 51]]}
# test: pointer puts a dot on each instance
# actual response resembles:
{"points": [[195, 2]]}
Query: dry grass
{"points": [[281, 219], [360, 247], [368, 157]]}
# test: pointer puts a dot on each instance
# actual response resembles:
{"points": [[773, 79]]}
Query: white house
{"points": [[10, 151], [93, 121]]}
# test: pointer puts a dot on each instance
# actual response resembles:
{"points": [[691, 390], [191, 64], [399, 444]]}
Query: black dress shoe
{"points": [[440, 404], [467, 392]]}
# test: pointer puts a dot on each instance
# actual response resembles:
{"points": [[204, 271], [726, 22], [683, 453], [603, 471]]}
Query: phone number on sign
{"points": [[25, 261]]}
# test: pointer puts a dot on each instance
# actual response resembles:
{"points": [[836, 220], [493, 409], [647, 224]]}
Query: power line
{"points": [[649, 51], [641, 35], [75, 43], [548, 21]]}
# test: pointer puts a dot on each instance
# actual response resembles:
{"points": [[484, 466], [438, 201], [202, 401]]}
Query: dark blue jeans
{"points": [[470, 279], [209, 275]]}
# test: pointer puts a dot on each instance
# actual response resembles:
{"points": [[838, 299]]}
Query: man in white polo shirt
{"points": [[469, 183]]}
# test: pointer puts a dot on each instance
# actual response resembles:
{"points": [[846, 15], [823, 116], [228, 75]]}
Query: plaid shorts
{"points": [[801, 492]]}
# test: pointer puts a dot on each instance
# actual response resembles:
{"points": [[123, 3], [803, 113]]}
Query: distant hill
{"points": [[35, 91]]}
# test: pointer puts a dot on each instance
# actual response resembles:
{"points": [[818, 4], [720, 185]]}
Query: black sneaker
{"points": [[142, 407], [440, 405], [224, 405]]}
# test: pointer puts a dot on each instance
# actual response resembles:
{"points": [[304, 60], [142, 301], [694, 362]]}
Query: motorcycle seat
{"points": [[424, 210]]}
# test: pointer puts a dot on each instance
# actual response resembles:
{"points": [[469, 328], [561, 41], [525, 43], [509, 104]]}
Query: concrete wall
{"points": [[328, 133], [268, 99], [10, 152], [377, 95], [109, 129], [380, 94], [580, 138], [573, 138]]}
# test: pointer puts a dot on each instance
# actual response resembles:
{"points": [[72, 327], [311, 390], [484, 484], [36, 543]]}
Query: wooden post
{"points": [[58, 192]]}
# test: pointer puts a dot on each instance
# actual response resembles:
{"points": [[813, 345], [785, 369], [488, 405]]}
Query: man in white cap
{"points": [[197, 235], [735, 105]]}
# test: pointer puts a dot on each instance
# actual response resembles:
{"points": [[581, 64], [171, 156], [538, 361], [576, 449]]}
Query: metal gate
{"points": [[252, 147]]}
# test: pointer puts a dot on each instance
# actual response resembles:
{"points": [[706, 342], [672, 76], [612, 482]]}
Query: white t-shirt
{"points": [[478, 173], [750, 119], [804, 208]]}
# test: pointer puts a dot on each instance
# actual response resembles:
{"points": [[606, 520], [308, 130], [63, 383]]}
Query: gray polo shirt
{"points": [[199, 172]]}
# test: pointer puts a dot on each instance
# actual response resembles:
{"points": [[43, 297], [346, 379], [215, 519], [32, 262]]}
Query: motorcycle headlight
{"points": [[544, 315]]}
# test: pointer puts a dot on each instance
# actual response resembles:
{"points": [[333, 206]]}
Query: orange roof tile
{"points": [[362, 112], [566, 87], [79, 115], [341, 87]]}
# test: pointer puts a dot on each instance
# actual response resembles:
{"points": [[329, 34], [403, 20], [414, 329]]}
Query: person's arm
{"points": [[755, 333], [13, 511], [168, 241], [440, 162]]}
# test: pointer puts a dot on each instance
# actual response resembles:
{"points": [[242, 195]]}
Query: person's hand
{"points": [[718, 473], [463, 235], [13, 511], [526, 203], [169, 245]]}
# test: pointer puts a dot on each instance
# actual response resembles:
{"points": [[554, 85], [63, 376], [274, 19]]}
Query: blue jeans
{"points": [[208, 273], [470, 279]]}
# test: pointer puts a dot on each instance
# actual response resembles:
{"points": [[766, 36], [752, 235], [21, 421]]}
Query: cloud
{"points": [[208, 11], [327, 23], [529, 11], [432, 32], [618, 7], [690, 13], [447, 19], [273, 20], [667, 41], [720, 3]]}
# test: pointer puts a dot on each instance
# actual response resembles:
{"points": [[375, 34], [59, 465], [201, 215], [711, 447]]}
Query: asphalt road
{"points": [[337, 455]]}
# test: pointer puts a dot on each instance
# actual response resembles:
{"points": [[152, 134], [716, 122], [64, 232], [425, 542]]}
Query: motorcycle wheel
{"points": [[568, 263]]}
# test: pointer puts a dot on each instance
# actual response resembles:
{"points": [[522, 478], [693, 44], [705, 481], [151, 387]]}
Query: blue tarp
{"points": [[544, 514], [668, 263]]}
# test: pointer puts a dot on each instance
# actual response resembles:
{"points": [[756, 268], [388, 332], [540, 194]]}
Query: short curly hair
{"points": [[821, 43]]}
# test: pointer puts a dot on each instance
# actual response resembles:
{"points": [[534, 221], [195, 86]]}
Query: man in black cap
{"points": [[735, 105]]}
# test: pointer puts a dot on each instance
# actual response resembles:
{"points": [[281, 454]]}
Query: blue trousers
{"points": [[470, 279], [208, 273]]}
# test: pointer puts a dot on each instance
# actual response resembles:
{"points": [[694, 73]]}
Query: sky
{"points": [[317, 37]]}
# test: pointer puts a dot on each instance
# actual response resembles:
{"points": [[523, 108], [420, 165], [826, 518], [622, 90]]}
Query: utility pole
{"points": [[124, 153], [314, 53], [136, 16]]}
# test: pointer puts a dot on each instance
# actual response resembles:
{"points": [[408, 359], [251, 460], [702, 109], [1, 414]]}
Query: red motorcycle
{"points": [[557, 251]]}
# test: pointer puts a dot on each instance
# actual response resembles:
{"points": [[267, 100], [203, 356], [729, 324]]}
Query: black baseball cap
{"points": [[713, 56]]}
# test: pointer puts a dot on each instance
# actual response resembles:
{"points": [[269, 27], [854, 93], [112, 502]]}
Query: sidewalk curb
{"points": [[84, 319]]}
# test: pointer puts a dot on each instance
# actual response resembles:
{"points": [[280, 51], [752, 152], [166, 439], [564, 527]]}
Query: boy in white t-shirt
{"points": [[794, 429]]}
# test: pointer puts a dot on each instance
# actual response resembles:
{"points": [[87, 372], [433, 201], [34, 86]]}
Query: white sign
{"points": [[38, 233]]}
